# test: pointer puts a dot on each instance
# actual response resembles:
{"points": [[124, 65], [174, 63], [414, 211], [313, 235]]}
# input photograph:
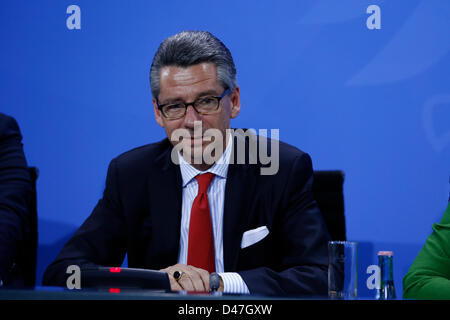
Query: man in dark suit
{"points": [[169, 209], [15, 194]]}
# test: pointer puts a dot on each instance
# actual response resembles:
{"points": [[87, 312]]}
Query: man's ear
{"points": [[235, 100], [158, 115]]}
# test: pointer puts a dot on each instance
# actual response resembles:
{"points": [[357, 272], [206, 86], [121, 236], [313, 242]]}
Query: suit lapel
{"points": [[165, 187], [238, 196]]}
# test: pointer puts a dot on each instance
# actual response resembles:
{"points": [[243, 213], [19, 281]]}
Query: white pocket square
{"points": [[253, 236]]}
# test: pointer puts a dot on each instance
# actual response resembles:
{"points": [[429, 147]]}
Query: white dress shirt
{"points": [[232, 281]]}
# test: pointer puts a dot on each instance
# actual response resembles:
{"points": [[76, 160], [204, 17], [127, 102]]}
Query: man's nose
{"points": [[191, 116]]}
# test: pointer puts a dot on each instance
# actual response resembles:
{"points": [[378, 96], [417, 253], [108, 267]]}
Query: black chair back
{"points": [[23, 272], [31, 241], [329, 195]]}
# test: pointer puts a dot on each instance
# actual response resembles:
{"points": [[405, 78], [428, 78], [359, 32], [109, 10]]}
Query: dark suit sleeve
{"points": [[15, 192], [301, 240], [101, 240]]}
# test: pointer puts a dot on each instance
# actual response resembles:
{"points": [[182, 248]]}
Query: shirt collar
{"points": [[219, 168]]}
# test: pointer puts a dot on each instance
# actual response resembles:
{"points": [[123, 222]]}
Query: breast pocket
{"points": [[256, 249]]}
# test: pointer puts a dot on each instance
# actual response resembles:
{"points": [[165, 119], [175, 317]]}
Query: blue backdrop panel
{"points": [[373, 103]]}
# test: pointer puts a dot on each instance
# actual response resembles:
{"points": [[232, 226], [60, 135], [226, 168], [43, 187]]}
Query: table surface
{"points": [[59, 293]]}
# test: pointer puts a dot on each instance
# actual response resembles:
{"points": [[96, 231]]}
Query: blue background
{"points": [[373, 103]]}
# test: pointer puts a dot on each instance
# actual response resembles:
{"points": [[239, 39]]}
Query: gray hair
{"points": [[189, 48]]}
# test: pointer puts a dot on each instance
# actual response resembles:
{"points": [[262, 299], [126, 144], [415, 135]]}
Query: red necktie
{"points": [[201, 242]]}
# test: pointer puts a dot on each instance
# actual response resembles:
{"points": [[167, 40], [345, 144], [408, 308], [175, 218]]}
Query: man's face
{"points": [[179, 84]]}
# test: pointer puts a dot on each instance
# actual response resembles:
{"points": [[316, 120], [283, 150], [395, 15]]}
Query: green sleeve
{"points": [[429, 275]]}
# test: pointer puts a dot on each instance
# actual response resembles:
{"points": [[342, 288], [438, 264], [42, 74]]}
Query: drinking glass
{"points": [[342, 269]]}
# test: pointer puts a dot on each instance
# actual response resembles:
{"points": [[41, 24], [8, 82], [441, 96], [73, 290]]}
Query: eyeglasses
{"points": [[203, 105]]}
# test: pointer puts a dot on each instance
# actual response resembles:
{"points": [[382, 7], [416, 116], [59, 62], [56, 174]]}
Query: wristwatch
{"points": [[214, 281]]}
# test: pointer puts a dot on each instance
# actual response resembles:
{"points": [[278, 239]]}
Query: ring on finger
{"points": [[177, 275]]}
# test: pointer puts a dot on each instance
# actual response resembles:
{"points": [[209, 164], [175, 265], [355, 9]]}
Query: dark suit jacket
{"points": [[140, 214], [15, 194]]}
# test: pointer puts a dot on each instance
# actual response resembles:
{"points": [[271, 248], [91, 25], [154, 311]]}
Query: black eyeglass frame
{"points": [[187, 104]]}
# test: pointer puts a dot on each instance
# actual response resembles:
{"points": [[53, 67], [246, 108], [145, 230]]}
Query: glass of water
{"points": [[342, 269]]}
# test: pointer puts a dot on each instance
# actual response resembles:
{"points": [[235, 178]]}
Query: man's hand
{"points": [[192, 278]]}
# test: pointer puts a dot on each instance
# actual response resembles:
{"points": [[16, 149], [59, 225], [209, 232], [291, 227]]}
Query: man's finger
{"points": [[191, 279], [203, 277], [174, 285], [196, 279], [185, 282]]}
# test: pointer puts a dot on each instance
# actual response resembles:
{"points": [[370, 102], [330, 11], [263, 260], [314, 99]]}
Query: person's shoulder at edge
{"points": [[428, 276], [8, 126]]}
